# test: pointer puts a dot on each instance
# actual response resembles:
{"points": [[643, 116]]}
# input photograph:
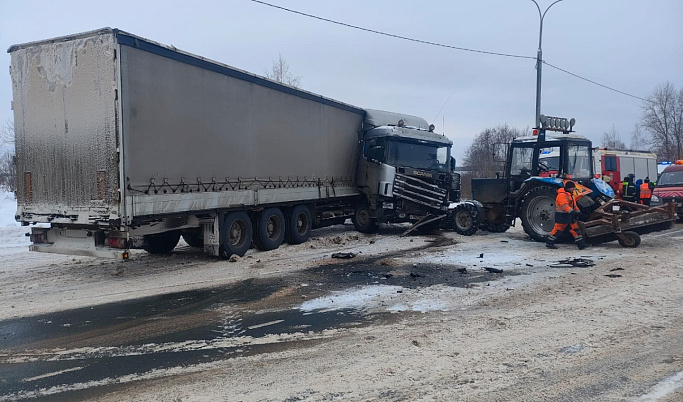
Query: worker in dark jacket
{"points": [[628, 189], [646, 192], [566, 216]]}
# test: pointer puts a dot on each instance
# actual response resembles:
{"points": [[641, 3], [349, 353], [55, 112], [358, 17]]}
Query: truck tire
{"points": [[465, 219], [161, 243], [269, 229], [362, 220], [538, 212], [299, 224], [236, 233], [194, 237], [632, 239]]}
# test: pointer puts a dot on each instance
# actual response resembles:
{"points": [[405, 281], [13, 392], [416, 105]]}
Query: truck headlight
{"points": [[654, 198]]}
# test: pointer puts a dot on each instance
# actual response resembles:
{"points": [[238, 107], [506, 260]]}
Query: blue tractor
{"points": [[535, 168]]}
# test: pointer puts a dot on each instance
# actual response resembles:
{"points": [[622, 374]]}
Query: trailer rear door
{"points": [[65, 118]]}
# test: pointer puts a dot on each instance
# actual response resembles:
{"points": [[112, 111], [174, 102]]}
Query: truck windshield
{"points": [[425, 156], [671, 179], [579, 164]]}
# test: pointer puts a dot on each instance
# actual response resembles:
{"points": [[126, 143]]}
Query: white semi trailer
{"points": [[124, 143]]}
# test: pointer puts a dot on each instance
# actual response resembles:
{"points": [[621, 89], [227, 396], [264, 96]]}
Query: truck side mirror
{"points": [[452, 164]]}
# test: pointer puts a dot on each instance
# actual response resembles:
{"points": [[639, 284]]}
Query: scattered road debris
{"points": [[494, 270], [574, 262], [617, 269], [414, 275], [462, 270], [343, 255], [613, 276], [481, 255]]}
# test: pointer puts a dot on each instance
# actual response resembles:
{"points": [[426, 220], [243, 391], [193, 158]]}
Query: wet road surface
{"points": [[79, 353]]}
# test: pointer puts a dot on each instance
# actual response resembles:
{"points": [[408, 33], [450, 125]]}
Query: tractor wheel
{"points": [[465, 219], [538, 212]]}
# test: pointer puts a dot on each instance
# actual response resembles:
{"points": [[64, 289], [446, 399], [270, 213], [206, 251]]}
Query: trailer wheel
{"points": [[236, 232], [269, 229], [194, 237], [629, 239], [362, 220], [465, 219], [299, 225], [538, 212], [161, 243]]}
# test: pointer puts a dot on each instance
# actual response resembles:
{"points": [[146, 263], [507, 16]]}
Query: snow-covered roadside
{"points": [[12, 234]]}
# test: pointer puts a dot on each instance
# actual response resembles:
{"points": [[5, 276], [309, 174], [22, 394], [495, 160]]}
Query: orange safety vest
{"points": [[564, 205], [645, 191]]}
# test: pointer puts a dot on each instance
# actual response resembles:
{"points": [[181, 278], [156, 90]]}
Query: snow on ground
{"points": [[375, 298], [12, 234]]}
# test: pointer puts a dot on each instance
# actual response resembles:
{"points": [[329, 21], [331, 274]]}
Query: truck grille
{"points": [[419, 191]]}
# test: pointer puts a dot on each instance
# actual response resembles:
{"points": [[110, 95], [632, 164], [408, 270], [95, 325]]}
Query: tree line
{"points": [[660, 129]]}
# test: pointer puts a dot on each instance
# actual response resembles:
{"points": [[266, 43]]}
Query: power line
{"points": [[593, 82], [392, 35], [444, 46]]}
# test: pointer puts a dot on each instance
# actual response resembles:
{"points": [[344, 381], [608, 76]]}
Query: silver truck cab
{"points": [[405, 169]]}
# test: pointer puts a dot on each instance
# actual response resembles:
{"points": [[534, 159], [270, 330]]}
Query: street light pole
{"points": [[539, 61]]}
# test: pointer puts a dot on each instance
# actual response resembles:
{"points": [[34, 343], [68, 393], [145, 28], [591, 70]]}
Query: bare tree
{"points": [[487, 153], [7, 168], [663, 120], [280, 73], [7, 134], [612, 140], [639, 140]]}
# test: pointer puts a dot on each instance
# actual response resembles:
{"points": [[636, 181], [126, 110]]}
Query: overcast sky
{"points": [[631, 45]]}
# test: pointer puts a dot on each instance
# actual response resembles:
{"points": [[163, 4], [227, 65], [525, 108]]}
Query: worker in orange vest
{"points": [[645, 192], [566, 215]]}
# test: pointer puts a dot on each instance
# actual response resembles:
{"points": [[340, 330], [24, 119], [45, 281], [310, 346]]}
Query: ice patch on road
{"points": [[376, 298], [664, 388]]}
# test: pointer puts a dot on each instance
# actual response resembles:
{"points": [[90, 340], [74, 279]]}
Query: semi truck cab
{"points": [[405, 169]]}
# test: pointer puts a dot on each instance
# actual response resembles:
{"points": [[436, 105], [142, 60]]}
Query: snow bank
{"points": [[12, 234]]}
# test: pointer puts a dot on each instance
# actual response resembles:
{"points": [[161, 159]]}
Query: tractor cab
{"points": [[562, 156]]}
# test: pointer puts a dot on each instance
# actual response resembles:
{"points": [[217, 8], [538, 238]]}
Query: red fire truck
{"points": [[617, 164]]}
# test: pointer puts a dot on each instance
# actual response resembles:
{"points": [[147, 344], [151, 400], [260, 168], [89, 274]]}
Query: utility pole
{"points": [[539, 61]]}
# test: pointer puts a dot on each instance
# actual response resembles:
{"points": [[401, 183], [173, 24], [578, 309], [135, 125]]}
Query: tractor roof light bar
{"points": [[550, 123]]}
